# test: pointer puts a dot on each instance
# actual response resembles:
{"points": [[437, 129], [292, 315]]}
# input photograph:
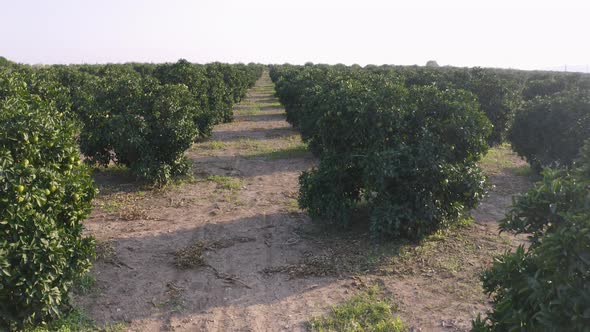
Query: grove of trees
{"points": [[55, 121], [401, 145], [398, 149]]}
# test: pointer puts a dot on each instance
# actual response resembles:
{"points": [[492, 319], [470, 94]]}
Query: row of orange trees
{"points": [[400, 144], [405, 155], [143, 116], [544, 115]]}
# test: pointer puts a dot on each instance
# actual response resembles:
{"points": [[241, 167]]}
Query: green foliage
{"points": [[548, 206], [76, 321], [78, 85], [140, 123], [497, 93], [216, 86], [547, 84], [193, 77], [545, 287], [142, 115], [44, 195], [5, 62], [549, 131], [496, 101], [406, 154], [365, 312], [226, 182], [542, 87], [85, 284], [146, 116], [220, 95], [73, 321]]}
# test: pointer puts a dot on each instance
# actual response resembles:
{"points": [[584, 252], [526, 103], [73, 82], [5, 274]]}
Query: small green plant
{"points": [[251, 146], [497, 159], [76, 321], [292, 151], [85, 284], [73, 321], [366, 312], [112, 205], [251, 111], [291, 205], [214, 145], [226, 182], [501, 158]]}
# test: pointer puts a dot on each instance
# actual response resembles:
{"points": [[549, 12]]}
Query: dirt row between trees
{"points": [[230, 250]]}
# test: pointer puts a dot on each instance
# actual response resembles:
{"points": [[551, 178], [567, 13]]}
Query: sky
{"points": [[524, 34]]}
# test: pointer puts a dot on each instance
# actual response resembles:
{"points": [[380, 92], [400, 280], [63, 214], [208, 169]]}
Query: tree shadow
{"points": [[251, 261], [253, 165], [117, 179]]}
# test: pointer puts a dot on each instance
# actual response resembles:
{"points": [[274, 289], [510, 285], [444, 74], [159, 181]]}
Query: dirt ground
{"points": [[230, 251]]}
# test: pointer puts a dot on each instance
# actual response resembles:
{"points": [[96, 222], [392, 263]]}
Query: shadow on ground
{"points": [[259, 260], [251, 166]]}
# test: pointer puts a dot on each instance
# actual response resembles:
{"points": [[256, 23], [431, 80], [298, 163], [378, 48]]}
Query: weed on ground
{"points": [[369, 310]]}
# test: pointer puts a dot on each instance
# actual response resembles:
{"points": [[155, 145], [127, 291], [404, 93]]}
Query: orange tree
{"points": [[546, 286], [405, 155], [45, 192]]}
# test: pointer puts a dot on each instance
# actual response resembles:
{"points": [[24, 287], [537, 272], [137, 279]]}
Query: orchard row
{"points": [[143, 116], [140, 115], [399, 146]]}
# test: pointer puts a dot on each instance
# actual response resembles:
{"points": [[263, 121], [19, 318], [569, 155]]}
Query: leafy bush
{"points": [[495, 99], [542, 87], [194, 78], [44, 195], [406, 155], [549, 131], [139, 123], [366, 311], [545, 84], [147, 116], [547, 286], [216, 86], [496, 92], [546, 207], [79, 86], [220, 95], [5, 62], [144, 116]]}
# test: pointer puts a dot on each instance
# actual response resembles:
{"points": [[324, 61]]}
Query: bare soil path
{"points": [[231, 251]]}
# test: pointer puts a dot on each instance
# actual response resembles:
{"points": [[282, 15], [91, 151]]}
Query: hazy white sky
{"points": [[524, 34]]}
